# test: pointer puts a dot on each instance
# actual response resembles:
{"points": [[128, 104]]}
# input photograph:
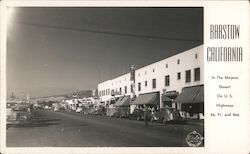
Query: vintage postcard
{"points": [[125, 77]]}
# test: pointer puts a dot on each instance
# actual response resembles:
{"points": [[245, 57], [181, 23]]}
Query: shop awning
{"points": [[118, 101], [123, 102], [149, 98], [169, 95], [193, 94], [114, 99]]}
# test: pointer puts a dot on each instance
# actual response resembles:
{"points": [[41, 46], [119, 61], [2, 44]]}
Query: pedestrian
{"points": [[146, 116], [82, 113]]}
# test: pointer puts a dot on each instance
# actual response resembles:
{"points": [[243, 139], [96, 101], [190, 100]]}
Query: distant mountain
{"points": [[80, 94], [77, 94]]}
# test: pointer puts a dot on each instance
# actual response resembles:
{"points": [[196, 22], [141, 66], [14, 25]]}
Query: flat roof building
{"points": [[162, 81]]}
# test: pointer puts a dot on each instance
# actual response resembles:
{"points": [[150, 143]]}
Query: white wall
{"points": [[115, 84], [106, 85], [187, 61], [121, 82]]}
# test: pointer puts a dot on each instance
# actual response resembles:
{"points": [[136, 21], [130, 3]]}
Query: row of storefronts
{"points": [[176, 82]]}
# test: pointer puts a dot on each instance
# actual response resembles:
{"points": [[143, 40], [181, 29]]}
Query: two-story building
{"points": [[176, 81]]}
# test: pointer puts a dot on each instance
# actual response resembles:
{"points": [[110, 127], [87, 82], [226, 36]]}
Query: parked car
{"points": [[168, 114], [56, 109], [122, 112], [111, 112], [154, 116], [79, 109], [86, 110], [20, 114], [47, 107], [99, 111], [9, 106], [185, 115], [138, 114]]}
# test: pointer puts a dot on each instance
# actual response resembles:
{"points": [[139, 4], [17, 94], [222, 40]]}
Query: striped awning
{"points": [[194, 94], [123, 102], [118, 101], [149, 98], [115, 99]]}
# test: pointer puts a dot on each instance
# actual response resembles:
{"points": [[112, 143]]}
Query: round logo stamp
{"points": [[194, 139]]}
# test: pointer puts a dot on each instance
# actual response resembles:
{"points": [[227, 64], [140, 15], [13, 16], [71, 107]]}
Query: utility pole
{"points": [[110, 72]]}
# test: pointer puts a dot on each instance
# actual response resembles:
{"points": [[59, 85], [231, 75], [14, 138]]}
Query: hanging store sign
{"points": [[171, 94]]}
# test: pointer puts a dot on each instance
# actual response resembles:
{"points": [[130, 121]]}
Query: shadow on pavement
{"points": [[38, 120]]}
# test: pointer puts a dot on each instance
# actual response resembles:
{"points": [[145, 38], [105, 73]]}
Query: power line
{"points": [[108, 32]]}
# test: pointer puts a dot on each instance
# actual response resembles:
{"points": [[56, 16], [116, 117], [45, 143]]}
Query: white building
{"points": [[104, 91], [160, 80], [113, 89]]}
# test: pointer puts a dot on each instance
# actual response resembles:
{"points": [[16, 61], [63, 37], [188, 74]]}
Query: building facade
{"points": [[111, 90], [166, 78]]}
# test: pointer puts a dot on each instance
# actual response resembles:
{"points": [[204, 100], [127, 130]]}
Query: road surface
{"points": [[69, 129]]}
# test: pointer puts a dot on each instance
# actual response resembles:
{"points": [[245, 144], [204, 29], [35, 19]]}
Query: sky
{"points": [[59, 50]]}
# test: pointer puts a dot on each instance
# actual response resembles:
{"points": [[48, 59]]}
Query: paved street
{"points": [[68, 129]]}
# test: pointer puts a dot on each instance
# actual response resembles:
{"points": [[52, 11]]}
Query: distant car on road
{"points": [[168, 114], [47, 107]]}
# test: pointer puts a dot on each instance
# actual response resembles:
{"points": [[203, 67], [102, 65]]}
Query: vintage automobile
{"points": [[138, 114], [99, 111], [9, 106], [78, 109], [185, 115], [20, 114], [121, 112], [168, 114], [111, 111]]}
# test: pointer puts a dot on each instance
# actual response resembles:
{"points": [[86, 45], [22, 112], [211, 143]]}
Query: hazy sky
{"points": [[57, 50]]}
